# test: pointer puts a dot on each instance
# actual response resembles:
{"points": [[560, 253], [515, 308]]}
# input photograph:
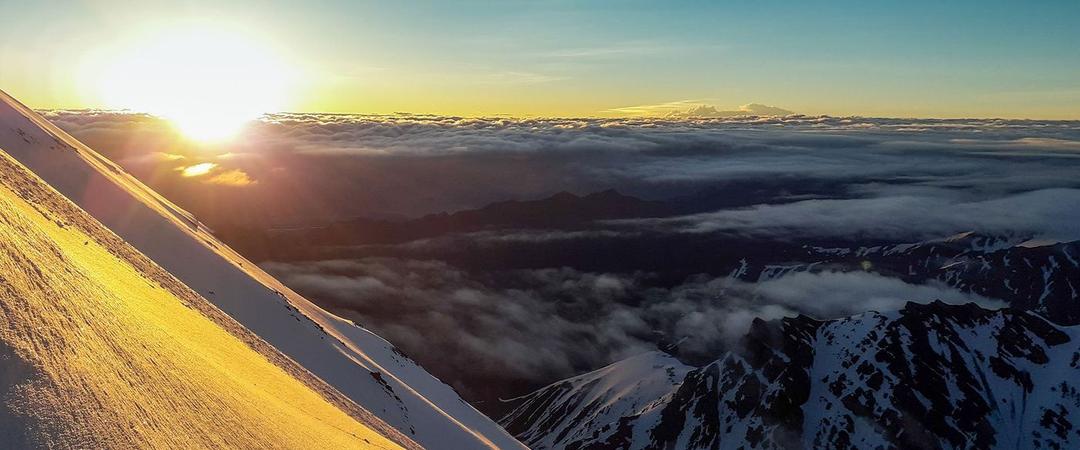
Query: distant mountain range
{"points": [[1028, 273], [559, 211]]}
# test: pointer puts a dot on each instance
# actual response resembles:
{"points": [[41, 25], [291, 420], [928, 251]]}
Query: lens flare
{"points": [[198, 169]]}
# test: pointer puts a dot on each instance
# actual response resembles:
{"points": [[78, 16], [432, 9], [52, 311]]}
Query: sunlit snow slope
{"points": [[100, 348], [359, 364]]}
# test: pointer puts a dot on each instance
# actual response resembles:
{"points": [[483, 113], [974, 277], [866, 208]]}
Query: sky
{"points": [[557, 58]]}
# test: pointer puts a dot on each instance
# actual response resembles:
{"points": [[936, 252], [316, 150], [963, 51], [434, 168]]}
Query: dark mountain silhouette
{"points": [[563, 210]]}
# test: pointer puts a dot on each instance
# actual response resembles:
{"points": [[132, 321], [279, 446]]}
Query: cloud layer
{"points": [[529, 327], [412, 165], [1047, 213]]}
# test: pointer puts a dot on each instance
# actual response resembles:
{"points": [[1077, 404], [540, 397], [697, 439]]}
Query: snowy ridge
{"points": [[363, 367], [927, 376], [102, 348], [1030, 274], [562, 411]]}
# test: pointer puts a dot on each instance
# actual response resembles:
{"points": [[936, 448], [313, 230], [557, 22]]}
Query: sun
{"points": [[207, 81]]}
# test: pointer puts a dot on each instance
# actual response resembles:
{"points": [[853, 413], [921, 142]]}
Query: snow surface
{"points": [[101, 348], [362, 366], [579, 406]]}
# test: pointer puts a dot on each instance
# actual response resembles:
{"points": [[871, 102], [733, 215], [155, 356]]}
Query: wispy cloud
{"points": [[1048, 213], [635, 49], [609, 51], [518, 77]]}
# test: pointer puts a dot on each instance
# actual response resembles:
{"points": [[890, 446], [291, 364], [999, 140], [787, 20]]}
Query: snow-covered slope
{"points": [[101, 348], [359, 364], [562, 412], [928, 376], [1033, 275]]}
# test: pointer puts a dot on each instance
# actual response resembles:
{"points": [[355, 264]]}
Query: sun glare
{"points": [[207, 82]]}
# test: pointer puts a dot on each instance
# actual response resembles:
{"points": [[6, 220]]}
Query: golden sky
{"points": [[964, 59]]}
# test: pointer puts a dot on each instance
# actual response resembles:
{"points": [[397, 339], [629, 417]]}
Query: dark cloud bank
{"points": [[791, 179]]}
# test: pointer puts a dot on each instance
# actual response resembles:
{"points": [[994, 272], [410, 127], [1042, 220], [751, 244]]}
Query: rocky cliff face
{"points": [[927, 376], [1029, 274]]}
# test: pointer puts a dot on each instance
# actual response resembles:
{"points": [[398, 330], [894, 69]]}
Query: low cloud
{"points": [[234, 177], [533, 326], [1049, 213], [213, 173], [833, 294]]}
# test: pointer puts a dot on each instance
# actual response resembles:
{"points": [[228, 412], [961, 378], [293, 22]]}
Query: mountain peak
{"points": [[863, 381], [564, 195], [607, 194]]}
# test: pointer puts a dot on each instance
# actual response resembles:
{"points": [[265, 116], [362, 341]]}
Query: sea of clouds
{"points": [[880, 178], [411, 165]]}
